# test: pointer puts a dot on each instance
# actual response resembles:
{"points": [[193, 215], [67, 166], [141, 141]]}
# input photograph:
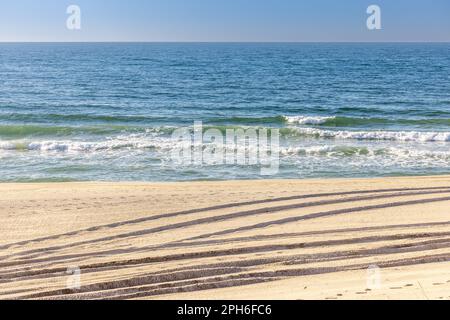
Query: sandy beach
{"points": [[274, 239]]}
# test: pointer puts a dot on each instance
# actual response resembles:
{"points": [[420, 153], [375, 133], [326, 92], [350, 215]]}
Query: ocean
{"points": [[106, 112]]}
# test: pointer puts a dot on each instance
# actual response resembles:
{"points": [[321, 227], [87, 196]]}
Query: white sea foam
{"points": [[307, 119], [394, 154], [405, 136], [131, 142], [74, 146], [368, 152]]}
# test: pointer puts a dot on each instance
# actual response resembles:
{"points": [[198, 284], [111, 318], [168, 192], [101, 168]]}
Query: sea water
{"points": [[99, 111]]}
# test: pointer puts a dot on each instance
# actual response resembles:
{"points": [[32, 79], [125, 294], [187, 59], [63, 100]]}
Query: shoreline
{"points": [[220, 239], [281, 180]]}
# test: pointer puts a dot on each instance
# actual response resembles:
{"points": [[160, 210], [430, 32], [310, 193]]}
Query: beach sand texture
{"points": [[269, 239]]}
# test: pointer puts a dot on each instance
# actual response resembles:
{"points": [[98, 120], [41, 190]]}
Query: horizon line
{"points": [[219, 42]]}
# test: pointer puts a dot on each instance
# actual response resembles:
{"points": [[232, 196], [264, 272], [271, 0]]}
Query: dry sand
{"points": [[310, 239]]}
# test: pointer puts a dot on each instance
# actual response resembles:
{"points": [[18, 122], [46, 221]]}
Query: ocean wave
{"points": [[294, 153], [331, 121], [119, 143], [67, 125], [160, 144], [163, 145], [160, 138], [403, 136], [336, 121], [307, 119], [368, 152], [338, 150], [18, 131]]}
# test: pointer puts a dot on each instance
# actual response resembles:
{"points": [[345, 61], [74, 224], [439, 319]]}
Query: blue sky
{"points": [[225, 20]]}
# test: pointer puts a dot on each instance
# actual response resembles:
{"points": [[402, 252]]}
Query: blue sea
{"points": [[79, 112]]}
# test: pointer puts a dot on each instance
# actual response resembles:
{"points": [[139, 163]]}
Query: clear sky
{"points": [[225, 20]]}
